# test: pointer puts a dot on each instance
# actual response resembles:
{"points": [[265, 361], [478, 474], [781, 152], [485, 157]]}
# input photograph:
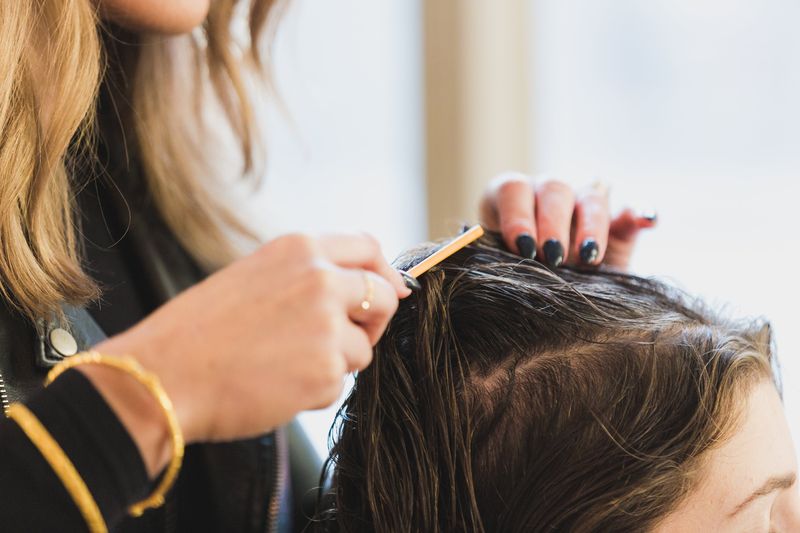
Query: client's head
{"points": [[507, 397]]}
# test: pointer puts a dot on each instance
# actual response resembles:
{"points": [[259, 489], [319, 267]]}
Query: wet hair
{"points": [[509, 397]]}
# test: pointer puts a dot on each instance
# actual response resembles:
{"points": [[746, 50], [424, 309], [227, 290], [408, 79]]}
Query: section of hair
{"points": [[175, 80], [507, 397], [50, 61]]}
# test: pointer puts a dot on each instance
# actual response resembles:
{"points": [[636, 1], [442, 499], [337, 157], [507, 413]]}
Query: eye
{"points": [[759, 518]]}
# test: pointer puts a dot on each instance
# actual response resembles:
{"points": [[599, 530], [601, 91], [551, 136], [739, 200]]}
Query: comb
{"points": [[468, 237]]}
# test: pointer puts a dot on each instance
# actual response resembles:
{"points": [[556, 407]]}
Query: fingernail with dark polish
{"points": [[553, 253], [410, 281], [650, 216], [526, 246], [589, 251]]}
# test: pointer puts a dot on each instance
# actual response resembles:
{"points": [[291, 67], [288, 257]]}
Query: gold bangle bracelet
{"points": [[153, 385], [61, 465]]}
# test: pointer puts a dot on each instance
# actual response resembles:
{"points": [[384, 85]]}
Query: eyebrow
{"points": [[770, 486]]}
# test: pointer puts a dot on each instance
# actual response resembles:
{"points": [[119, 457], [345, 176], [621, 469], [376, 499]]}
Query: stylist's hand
{"points": [[550, 221], [271, 335]]}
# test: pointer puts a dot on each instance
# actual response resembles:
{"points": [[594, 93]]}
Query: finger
{"points": [[357, 348], [591, 225], [628, 223], [555, 203], [624, 230], [371, 302], [362, 251], [510, 206]]}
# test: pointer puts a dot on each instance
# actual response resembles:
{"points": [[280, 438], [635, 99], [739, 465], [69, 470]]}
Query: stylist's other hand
{"points": [[267, 337], [553, 223]]}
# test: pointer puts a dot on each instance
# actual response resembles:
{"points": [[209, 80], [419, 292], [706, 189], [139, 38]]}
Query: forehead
{"points": [[760, 449]]}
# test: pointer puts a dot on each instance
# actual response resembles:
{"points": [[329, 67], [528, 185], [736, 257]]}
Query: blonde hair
{"points": [[52, 61]]}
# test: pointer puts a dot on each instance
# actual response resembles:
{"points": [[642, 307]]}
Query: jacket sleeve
{"points": [[32, 498]]}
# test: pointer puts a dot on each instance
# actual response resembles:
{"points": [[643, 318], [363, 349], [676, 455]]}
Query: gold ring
{"points": [[369, 292]]}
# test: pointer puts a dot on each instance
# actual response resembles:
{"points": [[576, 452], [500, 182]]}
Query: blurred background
{"points": [[395, 113]]}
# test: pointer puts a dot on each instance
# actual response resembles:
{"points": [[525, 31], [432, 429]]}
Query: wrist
{"points": [[149, 350], [137, 410], [135, 413]]}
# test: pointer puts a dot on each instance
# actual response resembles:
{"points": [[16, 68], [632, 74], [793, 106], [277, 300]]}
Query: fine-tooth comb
{"points": [[465, 239]]}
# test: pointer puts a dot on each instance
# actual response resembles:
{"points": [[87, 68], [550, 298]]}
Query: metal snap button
{"points": [[63, 342]]}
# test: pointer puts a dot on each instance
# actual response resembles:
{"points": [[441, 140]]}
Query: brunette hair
{"points": [[509, 397]]}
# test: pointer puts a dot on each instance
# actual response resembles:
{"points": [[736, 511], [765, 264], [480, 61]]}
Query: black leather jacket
{"points": [[236, 487], [232, 487]]}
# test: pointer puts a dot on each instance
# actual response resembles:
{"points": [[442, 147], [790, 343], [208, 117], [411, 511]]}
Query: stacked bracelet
{"points": [[153, 385], [63, 467]]}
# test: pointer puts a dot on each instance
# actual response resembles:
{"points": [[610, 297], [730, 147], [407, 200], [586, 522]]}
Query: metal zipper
{"points": [[4, 395], [280, 480]]}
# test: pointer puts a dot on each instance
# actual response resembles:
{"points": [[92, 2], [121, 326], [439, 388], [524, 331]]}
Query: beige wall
{"points": [[477, 97]]}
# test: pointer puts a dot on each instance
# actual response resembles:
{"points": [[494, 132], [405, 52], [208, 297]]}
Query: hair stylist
{"points": [[170, 355]]}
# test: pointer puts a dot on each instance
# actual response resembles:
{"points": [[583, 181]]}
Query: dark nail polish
{"points": [[526, 246], [553, 253], [589, 252], [410, 281], [650, 216]]}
